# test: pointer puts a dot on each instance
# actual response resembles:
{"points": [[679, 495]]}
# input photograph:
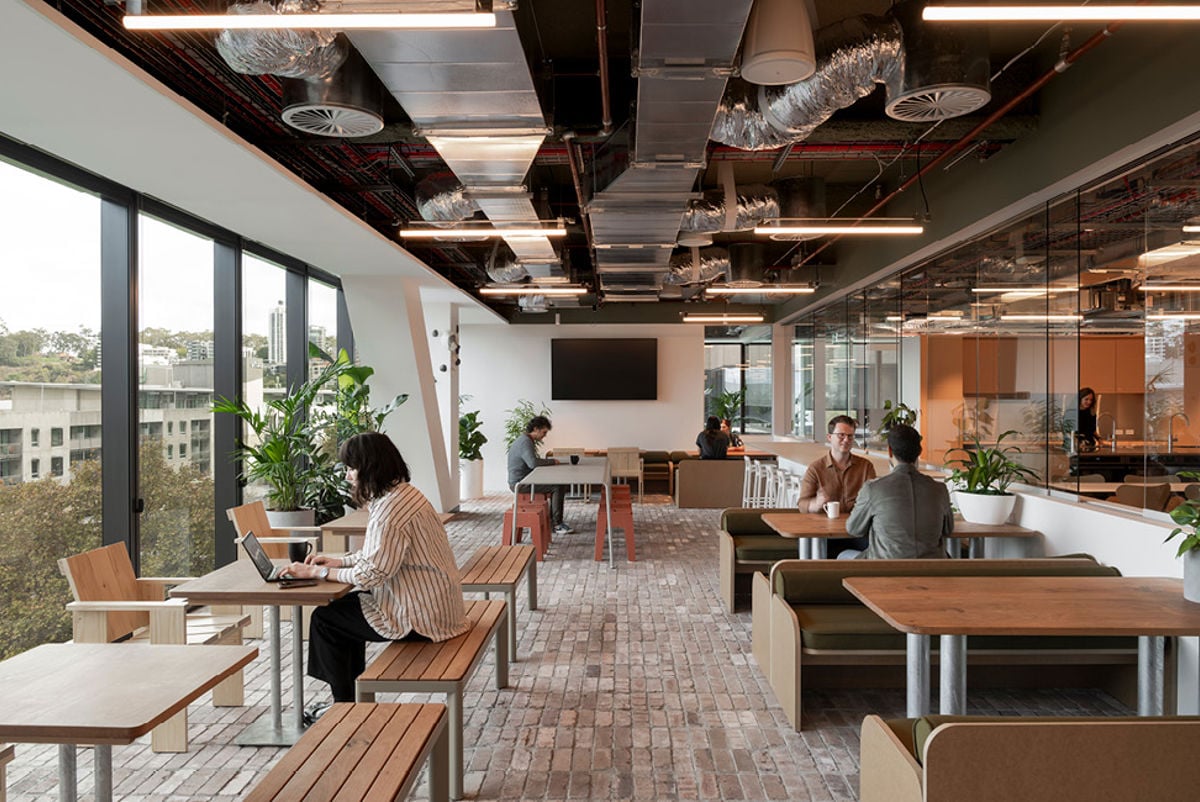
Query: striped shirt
{"points": [[406, 569]]}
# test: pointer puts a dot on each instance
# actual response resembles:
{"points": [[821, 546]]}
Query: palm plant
{"points": [[518, 417], [988, 471]]}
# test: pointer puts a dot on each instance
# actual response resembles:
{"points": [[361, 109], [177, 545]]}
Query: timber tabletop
{"points": [[239, 583], [106, 693], [1029, 605], [352, 523], [806, 524]]}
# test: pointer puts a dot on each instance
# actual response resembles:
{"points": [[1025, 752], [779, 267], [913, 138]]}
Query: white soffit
{"points": [[87, 105]]}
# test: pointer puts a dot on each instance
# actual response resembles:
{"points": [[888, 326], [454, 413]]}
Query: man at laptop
{"points": [[405, 577]]}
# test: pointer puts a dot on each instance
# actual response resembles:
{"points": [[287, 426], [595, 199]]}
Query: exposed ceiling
{"points": [[539, 76]]}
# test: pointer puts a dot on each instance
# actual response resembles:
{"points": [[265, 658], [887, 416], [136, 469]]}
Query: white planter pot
{"points": [[981, 509], [1191, 575], [284, 520], [470, 478]]}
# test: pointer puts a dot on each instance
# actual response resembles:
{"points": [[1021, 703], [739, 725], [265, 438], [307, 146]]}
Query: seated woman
{"points": [[406, 581], [712, 442], [734, 440]]}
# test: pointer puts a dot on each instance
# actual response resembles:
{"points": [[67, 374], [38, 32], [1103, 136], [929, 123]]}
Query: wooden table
{"points": [[589, 471], [1109, 488], [814, 528], [103, 694], [335, 535], [955, 607], [239, 583]]}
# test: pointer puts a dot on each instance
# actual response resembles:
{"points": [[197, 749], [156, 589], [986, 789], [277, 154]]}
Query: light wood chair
{"points": [[626, 463], [113, 604], [252, 517]]}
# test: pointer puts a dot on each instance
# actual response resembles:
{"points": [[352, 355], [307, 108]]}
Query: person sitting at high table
{"points": [[734, 440], [523, 458], [712, 442], [838, 476], [904, 514], [406, 581]]}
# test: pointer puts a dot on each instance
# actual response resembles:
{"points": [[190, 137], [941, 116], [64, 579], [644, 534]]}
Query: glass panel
{"points": [[757, 419], [175, 369], [264, 340], [49, 384], [723, 382], [880, 367], [803, 415], [322, 321]]}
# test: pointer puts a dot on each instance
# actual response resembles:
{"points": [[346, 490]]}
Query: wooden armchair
{"points": [[626, 463], [252, 517], [112, 604]]}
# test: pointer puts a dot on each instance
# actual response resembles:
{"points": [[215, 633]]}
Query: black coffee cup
{"points": [[297, 552], [574, 459]]}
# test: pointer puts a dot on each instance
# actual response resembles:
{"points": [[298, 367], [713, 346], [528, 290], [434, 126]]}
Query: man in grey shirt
{"points": [[523, 458], [906, 514]]}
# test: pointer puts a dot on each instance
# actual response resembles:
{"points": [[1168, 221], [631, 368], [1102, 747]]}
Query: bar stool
{"points": [[748, 481], [533, 515], [768, 486], [622, 517]]}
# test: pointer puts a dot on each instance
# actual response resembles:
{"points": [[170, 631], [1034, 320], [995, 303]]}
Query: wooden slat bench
{"points": [[7, 753], [446, 667], [362, 752], [498, 569]]}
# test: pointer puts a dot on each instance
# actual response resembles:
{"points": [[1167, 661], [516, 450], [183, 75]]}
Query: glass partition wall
{"points": [[1098, 290]]}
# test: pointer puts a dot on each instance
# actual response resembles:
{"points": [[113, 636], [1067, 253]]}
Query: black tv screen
{"points": [[604, 370]]}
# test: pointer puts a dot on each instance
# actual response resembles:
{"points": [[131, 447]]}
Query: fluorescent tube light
{"points": [[338, 22], [1043, 318], [1174, 316], [731, 318], [527, 290], [463, 231], [765, 289], [826, 227], [1036, 13], [1024, 290], [1170, 288], [1191, 229]]}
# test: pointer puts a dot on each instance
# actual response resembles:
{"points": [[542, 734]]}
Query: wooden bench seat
{"points": [[498, 569], [7, 753], [446, 667], [113, 604], [362, 752]]}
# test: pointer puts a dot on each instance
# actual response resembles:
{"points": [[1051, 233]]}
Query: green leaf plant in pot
{"points": [[893, 415], [1187, 518], [981, 477], [470, 465]]}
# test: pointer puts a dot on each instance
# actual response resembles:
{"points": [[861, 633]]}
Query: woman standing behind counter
{"points": [[1085, 431]]}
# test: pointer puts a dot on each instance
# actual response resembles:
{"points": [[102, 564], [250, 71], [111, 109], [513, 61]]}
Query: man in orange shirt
{"points": [[838, 476]]}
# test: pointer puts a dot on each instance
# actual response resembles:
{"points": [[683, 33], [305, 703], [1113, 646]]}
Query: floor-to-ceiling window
{"points": [[737, 377], [50, 370]]}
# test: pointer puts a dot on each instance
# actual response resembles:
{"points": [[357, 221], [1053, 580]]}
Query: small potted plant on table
{"points": [[981, 477], [1187, 519]]}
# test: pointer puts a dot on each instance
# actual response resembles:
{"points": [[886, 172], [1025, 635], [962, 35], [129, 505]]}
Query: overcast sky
{"points": [[50, 246]]}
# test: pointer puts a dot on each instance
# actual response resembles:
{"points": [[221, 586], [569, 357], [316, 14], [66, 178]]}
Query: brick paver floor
{"points": [[632, 683]]}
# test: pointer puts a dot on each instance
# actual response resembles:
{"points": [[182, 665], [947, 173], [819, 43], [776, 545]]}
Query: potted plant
{"points": [[518, 417], [981, 478], [895, 414], [470, 460], [1187, 518]]}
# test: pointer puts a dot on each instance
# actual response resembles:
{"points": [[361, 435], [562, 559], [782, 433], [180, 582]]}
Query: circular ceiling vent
{"points": [[933, 103], [332, 119]]}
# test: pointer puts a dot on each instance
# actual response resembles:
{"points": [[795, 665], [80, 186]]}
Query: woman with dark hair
{"points": [[734, 440], [712, 442], [406, 581], [1086, 430]]}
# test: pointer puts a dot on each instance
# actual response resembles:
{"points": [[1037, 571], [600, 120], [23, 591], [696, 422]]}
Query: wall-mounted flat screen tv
{"points": [[604, 370]]}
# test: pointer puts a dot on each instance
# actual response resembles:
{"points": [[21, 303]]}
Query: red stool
{"points": [[534, 516], [622, 516]]}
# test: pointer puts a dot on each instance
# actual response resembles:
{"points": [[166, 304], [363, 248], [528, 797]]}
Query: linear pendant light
{"points": [[764, 289], [339, 22], [1043, 318], [816, 228], [518, 233], [692, 317], [525, 290], [1062, 13]]}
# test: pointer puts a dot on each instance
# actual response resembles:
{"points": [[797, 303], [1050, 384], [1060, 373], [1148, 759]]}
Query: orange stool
{"points": [[622, 516], [532, 516]]}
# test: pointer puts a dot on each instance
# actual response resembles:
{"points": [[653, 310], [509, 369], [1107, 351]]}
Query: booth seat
{"points": [[709, 483]]}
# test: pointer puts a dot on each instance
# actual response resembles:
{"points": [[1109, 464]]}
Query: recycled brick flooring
{"points": [[632, 683]]}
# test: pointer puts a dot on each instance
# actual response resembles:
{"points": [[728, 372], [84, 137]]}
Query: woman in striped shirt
{"points": [[406, 582]]}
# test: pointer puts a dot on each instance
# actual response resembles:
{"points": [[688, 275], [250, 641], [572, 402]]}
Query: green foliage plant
{"points": [[470, 438], [728, 405], [988, 471], [1187, 518], [894, 414], [516, 419]]}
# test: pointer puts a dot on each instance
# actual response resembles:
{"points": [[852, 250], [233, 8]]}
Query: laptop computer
{"points": [[267, 569]]}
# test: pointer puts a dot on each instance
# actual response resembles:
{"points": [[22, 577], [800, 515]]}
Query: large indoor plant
{"points": [[981, 477], [1187, 519], [517, 418], [470, 459]]}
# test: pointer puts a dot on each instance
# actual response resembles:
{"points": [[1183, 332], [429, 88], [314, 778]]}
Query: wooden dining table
{"points": [[813, 529], [101, 694], [588, 471], [954, 607], [239, 583]]}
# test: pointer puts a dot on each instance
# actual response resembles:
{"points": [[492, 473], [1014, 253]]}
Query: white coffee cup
{"points": [[832, 508]]}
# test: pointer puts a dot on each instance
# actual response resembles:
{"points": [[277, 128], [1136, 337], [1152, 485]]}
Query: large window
{"points": [[737, 377], [175, 370], [50, 497], [264, 339]]}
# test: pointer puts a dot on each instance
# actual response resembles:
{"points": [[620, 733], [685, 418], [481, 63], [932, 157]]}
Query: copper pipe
{"points": [[602, 48], [1057, 69], [568, 140]]}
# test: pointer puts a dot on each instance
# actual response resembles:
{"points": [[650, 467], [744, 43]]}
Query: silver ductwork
{"points": [[711, 213], [852, 57], [945, 70], [348, 103], [286, 53], [505, 268], [441, 198], [701, 266], [746, 262]]}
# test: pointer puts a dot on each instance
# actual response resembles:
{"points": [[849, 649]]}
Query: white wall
{"points": [[503, 364]]}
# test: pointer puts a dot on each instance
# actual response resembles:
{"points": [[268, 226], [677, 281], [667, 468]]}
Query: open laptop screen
{"points": [[259, 557]]}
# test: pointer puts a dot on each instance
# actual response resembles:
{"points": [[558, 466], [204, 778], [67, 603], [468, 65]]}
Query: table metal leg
{"points": [[608, 524], [298, 665], [953, 664], [975, 548], [270, 730], [819, 548], [439, 767], [1151, 657], [102, 763], [67, 777], [917, 653]]}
